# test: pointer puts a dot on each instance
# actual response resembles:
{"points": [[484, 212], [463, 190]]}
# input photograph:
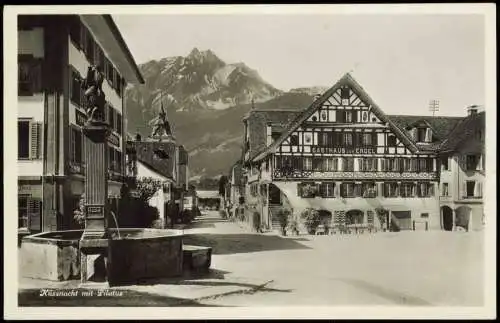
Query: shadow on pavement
{"points": [[223, 244], [32, 297], [391, 295]]}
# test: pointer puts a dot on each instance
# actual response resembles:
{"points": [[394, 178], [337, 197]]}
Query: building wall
{"points": [[31, 42], [159, 198], [456, 177]]}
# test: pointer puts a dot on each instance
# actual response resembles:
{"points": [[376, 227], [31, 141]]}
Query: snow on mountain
{"points": [[200, 92]]}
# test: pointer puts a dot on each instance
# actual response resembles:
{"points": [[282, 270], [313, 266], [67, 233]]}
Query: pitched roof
{"points": [[257, 123], [347, 79], [441, 126], [145, 151], [463, 137]]}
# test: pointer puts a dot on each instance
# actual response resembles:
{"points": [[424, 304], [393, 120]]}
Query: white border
{"points": [[10, 137]]}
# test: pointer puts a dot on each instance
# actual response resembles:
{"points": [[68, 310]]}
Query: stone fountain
{"points": [[101, 253]]}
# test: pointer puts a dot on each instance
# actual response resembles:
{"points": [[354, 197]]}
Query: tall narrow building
{"points": [[54, 53]]}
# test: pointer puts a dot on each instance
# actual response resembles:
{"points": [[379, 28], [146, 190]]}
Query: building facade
{"points": [[54, 53], [462, 170], [346, 158], [164, 160]]}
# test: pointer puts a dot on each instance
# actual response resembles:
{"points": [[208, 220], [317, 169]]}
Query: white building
{"points": [[54, 51]]}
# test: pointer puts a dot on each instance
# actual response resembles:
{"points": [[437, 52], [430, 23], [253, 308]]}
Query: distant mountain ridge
{"points": [[205, 100]]}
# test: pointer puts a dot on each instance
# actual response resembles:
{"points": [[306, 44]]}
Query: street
{"points": [[433, 268], [418, 268]]}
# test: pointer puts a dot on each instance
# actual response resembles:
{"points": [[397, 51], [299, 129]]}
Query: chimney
{"points": [[472, 110], [316, 97], [138, 137]]}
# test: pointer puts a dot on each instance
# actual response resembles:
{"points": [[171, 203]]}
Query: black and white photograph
{"points": [[250, 161]]}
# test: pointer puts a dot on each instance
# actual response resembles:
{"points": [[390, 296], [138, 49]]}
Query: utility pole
{"points": [[434, 106]]}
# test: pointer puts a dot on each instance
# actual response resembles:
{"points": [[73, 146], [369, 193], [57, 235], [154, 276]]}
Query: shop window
{"points": [[22, 207]]}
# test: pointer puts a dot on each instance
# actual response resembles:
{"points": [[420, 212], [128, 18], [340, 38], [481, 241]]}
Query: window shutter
{"points": [[479, 165], [479, 189], [34, 213], [382, 165], [360, 164], [413, 134], [463, 190], [36, 140], [299, 189], [431, 189], [428, 135]]}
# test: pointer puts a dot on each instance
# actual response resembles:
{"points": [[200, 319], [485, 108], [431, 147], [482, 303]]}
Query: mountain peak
{"points": [[194, 52]]}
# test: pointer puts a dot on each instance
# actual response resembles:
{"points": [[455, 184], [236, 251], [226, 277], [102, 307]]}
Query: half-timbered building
{"points": [[345, 157]]}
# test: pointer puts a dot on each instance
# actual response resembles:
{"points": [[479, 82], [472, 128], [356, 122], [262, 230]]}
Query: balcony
{"points": [[342, 175]]}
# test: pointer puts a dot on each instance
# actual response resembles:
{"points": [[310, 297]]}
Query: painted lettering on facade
{"points": [[342, 150]]}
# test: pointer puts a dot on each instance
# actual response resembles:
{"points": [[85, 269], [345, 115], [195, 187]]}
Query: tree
{"points": [[147, 187]]}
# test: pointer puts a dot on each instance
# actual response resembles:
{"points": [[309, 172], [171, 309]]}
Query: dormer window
{"points": [[421, 132], [275, 135]]}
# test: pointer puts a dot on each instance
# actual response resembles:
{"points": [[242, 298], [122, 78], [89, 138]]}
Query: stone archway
{"points": [[462, 218], [325, 217], [354, 217], [447, 218]]}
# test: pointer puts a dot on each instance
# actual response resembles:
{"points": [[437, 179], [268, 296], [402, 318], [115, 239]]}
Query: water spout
{"points": [[116, 224]]}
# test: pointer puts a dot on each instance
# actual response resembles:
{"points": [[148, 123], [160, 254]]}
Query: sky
{"points": [[402, 61]]}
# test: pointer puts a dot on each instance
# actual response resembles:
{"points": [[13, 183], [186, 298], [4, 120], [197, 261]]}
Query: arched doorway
{"points": [[463, 217], [354, 217], [325, 217], [447, 218]]}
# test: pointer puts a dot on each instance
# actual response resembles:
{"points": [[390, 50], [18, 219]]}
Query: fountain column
{"points": [[94, 243]]}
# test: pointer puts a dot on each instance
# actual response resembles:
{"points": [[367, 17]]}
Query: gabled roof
{"points": [[145, 151], [441, 126], [347, 79], [257, 123], [463, 137]]}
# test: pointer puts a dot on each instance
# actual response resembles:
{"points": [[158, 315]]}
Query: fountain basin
{"points": [[132, 254]]}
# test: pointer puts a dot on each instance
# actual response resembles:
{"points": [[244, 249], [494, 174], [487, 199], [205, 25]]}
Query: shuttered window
{"points": [[29, 212], [30, 138], [36, 140]]}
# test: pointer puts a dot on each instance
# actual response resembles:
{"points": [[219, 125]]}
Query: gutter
{"points": [[114, 29]]}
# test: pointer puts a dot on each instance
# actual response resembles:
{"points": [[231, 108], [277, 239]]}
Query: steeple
{"points": [[161, 125]]}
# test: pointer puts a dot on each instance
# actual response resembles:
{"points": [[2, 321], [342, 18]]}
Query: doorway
{"points": [[447, 218]]}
